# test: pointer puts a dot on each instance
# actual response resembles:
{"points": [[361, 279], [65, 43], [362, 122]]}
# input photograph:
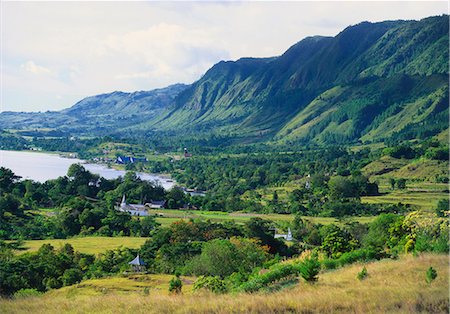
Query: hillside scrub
{"points": [[330, 294]]}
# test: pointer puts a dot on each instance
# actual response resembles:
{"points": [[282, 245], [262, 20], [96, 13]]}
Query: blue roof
{"points": [[137, 261]]}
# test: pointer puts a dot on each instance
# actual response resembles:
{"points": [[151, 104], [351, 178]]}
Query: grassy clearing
{"points": [[421, 195], [90, 245], [134, 284], [392, 286], [420, 169], [167, 216]]}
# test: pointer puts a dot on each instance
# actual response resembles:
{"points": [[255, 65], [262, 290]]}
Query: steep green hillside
{"points": [[370, 82]]}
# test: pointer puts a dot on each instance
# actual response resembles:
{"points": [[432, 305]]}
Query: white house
{"points": [[287, 237]]}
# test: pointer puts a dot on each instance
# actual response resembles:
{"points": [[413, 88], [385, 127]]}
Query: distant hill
{"points": [[101, 114], [371, 82]]}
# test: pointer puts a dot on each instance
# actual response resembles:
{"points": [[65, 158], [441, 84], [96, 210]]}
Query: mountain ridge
{"points": [[321, 90]]}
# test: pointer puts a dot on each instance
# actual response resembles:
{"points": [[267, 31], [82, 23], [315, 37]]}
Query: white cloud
{"points": [[133, 75], [77, 49], [32, 67]]}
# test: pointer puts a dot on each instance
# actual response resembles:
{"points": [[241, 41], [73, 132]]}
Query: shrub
{"points": [[213, 284], [359, 255], [275, 274], [71, 276], [362, 274], [430, 275], [309, 268], [25, 293], [329, 264], [175, 285]]}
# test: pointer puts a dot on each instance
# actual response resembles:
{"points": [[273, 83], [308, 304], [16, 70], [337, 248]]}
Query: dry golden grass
{"points": [[89, 245], [391, 287]]}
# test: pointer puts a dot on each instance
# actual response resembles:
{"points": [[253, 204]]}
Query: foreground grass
{"points": [[392, 286], [90, 245]]}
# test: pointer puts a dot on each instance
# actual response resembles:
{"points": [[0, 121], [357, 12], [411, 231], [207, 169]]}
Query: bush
{"points": [[359, 255], [329, 264], [25, 293], [213, 284], [71, 276], [175, 285], [362, 274], [430, 275], [275, 274], [309, 268]]}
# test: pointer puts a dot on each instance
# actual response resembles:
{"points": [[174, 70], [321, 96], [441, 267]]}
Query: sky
{"points": [[55, 53]]}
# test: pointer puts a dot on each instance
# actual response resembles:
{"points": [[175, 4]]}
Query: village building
{"points": [[287, 237], [137, 265], [133, 209], [186, 153], [139, 209], [156, 204], [124, 160]]}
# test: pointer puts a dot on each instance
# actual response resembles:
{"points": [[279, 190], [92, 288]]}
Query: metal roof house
{"points": [[287, 237], [123, 160], [137, 265], [133, 209]]}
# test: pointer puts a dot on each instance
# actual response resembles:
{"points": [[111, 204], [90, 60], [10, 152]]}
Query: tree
{"points": [[213, 284], [401, 184], [72, 276], [148, 223], [430, 275], [7, 180], [176, 197], [442, 207], [341, 187], [385, 232], [223, 257], [310, 268], [392, 183], [337, 241], [275, 197], [175, 285], [263, 230]]}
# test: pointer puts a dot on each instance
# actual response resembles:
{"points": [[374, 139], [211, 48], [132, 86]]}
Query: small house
{"points": [[137, 265], [156, 204], [124, 160], [287, 237], [133, 209]]}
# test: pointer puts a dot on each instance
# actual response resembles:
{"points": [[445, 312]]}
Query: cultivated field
{"points": [[90, 245], [393, 286], [168, 216]]}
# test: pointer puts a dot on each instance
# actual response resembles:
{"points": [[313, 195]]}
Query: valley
{"points": [[313, 181]]}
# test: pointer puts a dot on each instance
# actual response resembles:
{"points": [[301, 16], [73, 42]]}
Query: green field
{"points": [[135, 283], [168, 216], [420, 195], [89, 245]]}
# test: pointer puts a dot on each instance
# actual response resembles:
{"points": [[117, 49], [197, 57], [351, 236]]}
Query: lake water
{"points": [[42, 167]]}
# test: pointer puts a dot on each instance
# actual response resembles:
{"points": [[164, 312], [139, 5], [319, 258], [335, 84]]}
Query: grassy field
{"points": [[392, 286], [421, 195], [90, 245], [168, 216]]}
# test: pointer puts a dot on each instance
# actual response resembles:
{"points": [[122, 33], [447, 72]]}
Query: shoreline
{"points": [[164, 180]]}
